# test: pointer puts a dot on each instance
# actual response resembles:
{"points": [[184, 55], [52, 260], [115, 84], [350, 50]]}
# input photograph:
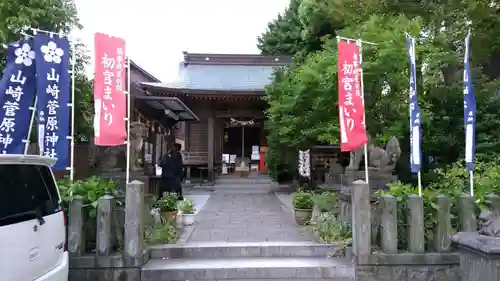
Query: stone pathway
{"points": [[240, 217]]}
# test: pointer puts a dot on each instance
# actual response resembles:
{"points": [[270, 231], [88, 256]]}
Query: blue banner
{"points": [[469, 109], [415, 135], [53, 80], [17, 93]]}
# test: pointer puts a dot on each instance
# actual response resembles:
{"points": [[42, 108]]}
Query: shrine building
{"points": [[225, 92]]}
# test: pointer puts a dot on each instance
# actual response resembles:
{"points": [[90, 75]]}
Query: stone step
{"points": [[243, 180], [245, 250], [238, 188], [243, 185], [285, 268], [286, 279]]}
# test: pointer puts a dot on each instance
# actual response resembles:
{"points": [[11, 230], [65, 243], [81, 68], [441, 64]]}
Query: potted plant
{"points": [[168, 206], [303, 203], [188, 211]]}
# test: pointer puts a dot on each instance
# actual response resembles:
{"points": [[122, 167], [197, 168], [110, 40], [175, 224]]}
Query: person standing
{"points": [[178, 170], [172, 172]]}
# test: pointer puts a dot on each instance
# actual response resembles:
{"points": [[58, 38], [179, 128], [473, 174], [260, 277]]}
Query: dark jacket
{"points": [[171, 165]]}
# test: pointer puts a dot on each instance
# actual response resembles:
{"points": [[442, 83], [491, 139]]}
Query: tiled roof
{"points": [[221, 78], [221, 73]]}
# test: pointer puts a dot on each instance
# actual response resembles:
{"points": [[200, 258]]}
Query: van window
{"points": [[26, 192]]}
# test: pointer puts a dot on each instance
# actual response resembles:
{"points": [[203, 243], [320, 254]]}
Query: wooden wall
{"points": [[197, 132]]}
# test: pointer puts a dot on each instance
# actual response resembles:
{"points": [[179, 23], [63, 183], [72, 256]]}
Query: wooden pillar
{"points": [[186, 136], [155, 152], [211, 143]]}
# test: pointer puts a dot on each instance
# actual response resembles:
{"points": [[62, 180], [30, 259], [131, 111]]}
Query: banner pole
{"points": [[32, 120], [419, 179], [419, 174], [72, 104], [127, 174], [360, 45], [471, 183]]}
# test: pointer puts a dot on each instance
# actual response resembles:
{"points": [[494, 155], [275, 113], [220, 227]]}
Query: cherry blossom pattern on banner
{"points": [[17, 92], [53, 81]]}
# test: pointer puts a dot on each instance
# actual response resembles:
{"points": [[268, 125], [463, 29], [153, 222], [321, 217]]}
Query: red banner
{"points": [[110, 101], [351, 108]]}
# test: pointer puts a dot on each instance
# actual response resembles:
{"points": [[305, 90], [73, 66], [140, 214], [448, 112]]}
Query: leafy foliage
{"points": [[57, 16], [168, 203], [329, 230], [303, 97], [326, 201], [302, 200], [283, 35], [451, 182], [90, 190], [161, 233], [187, 206]]}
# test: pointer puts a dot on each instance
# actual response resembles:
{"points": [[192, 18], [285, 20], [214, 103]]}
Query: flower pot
{"points": [[179, 222], [302, 217], [189, 219], [169, 215]]}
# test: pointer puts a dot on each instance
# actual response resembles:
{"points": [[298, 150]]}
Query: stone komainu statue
{"points": [[489, 223], [384, 159], [113, 159], [378, 158]]}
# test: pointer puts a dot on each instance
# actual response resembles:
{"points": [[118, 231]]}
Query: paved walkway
{"points": [[240, 217]]}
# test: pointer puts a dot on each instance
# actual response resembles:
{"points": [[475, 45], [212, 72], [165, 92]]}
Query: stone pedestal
{"points": [[377, 179], [479, 256]]}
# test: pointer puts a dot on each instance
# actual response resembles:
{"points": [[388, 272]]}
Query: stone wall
{"points": [[410, 267], [108, 268]]}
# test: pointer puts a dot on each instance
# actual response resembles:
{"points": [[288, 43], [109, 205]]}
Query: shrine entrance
{"points": [[242, 141]]}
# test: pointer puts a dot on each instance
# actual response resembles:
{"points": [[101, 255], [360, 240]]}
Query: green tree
{"points": [[57, 16], [284, 34], [302, 98]]}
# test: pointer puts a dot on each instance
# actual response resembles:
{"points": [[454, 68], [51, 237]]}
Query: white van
{"points": [[32, 222]]}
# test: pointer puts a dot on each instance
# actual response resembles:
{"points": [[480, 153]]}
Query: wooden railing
{"points": [[194, 157]]}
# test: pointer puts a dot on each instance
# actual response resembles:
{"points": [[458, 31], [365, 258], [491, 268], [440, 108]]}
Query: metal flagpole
{"points": [[471, 182], [32, 120], [359, 42], [419, 183], [72, 104], [469, 114], [419, 174], [33, 111], [414, 108], [127, 175]]}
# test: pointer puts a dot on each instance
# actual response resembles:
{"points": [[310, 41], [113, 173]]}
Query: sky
{"points": [[158, 31]]}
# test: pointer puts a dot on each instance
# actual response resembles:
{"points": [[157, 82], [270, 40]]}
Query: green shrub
{"points": [[161, 233], [326, 201], [91, 189], [302, 200], [168, 203], [452, 181], [187, 206], [329, 230]]}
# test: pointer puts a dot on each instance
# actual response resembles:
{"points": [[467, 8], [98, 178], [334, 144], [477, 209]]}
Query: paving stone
{"points": [[245, 217]]}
